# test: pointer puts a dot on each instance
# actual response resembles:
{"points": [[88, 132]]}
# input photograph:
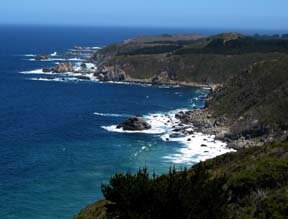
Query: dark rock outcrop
{"points": [[110, 73], [41, 57], [83, 77], [63, 67], [134, 124], [45, 70]]}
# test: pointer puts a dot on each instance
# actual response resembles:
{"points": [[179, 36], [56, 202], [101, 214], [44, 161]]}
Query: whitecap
{"points": [[160, 123], [55, 79], [194, 147], [197, 147], [29, 55], [36, 71], [111, 114], [75, 59], [49, 60], [113, 128]]}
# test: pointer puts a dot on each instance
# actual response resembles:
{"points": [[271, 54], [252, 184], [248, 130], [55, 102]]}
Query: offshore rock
{"points": [[63, 67], [134, 124], [41, 57]]}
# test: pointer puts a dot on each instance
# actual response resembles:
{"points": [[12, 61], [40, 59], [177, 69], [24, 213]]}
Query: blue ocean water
{"points": [[54, 153]]}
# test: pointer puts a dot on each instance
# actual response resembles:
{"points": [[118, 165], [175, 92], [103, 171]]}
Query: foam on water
{"points": [[195, 147], [48, 60], [36, 71], [113, 128], [75, 59], [55, 79], [29, 55], [61, 75], [110, 114]]}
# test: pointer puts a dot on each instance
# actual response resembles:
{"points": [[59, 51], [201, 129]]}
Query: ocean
{"points": [[58, 141]]}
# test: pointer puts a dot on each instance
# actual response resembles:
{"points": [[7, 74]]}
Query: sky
{"points": [[241, 14]]}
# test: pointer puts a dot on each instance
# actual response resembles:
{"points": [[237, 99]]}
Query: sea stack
{"points": [[63, 67], [134, 124]]}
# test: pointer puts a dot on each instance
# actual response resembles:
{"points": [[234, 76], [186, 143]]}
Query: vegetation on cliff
{"points": [[191, 58], [251, 183], [255, 102], [252, 104]]}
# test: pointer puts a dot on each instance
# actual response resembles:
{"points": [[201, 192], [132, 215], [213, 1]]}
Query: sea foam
{"points": [[194, 147], [111, 114], [36, 71], [55, 79]]}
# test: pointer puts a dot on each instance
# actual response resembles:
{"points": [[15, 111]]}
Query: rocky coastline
{"points": [[236, 133], [246, 109], [202, 121], [196, 120]]}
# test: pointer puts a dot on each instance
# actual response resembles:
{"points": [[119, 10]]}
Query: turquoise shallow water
{"points": [[54, 153]]}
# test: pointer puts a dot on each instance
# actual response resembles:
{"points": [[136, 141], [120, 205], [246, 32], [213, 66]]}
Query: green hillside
{"points": [[251, 103], [251, 183], [255, 102]]}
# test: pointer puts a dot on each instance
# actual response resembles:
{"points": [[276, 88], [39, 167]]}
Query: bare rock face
{"points": [[41, 57], [134, 124], [162, 78], [63, 67], [111, 73], [46, 70]]}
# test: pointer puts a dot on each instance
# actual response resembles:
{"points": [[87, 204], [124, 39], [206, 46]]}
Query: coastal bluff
{"points": [[247, 109]]}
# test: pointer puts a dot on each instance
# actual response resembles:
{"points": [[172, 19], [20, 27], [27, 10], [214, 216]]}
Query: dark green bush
{"points": [[237, 185]]}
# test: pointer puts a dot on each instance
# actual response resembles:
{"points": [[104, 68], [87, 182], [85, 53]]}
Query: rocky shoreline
{"points": [[81, 62], [201, 121]]}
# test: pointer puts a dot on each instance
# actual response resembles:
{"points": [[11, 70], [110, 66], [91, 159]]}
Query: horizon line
{"points": [[186, 28]]}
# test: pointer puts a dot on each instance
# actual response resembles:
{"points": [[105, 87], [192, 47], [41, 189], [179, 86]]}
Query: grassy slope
{"points": [[251, 183], [191, 58], [257, 97], [201, 68]]}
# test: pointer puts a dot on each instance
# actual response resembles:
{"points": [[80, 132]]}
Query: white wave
{"points": [[207, 88], [48, 60], [55, 79], [53, 54], [75, 59], [111, 114], [56, 59], [36, 71], [29, 55], [195, 147], [127, 83], [113, 128], [160, 123], [169, 86], [67, 75]]}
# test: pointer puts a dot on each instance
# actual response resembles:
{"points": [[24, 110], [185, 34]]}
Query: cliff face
{"points": [[189, 58], [199, 68]]}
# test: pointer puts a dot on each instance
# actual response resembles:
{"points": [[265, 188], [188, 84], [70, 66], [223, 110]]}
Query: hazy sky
{"points": [[260, 14]]}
